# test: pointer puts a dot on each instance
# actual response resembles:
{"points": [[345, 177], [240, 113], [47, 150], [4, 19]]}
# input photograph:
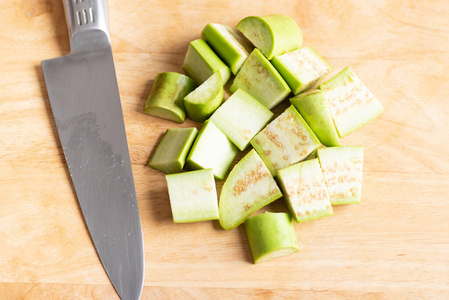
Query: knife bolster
{"points": [[86, 15]]}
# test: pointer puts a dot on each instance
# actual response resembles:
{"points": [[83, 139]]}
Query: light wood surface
{"points": [[393, 245]]}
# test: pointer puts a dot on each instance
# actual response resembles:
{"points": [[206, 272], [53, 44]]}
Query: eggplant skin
{"points": [[271, 235]]}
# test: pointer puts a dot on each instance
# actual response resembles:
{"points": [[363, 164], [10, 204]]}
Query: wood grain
{"points": [[394, 245]]}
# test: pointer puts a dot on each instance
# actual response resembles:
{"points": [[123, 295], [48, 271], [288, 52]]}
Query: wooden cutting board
{"points": [[393, 245]]}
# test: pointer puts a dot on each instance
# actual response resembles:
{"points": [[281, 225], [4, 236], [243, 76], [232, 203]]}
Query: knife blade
{"points": [[85, 101]]}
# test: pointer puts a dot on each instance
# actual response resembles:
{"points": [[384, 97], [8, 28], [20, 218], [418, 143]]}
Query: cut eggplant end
{"points": [[273, 34], [301, 68], [193, 196], [276, 254], [232, 48], [261, 80], [241, 117], [212, 149], [166, 96], [175, 115], [205, 99], [171, 152], [271, 235], [314, 109], [258, 32], [201, 62]]}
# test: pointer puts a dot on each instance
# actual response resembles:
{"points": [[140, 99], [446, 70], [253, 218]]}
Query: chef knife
{"points": [[85, 102]]}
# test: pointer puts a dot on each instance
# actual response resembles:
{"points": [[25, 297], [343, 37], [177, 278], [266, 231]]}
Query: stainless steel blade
{"points": [[85, 102]]}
